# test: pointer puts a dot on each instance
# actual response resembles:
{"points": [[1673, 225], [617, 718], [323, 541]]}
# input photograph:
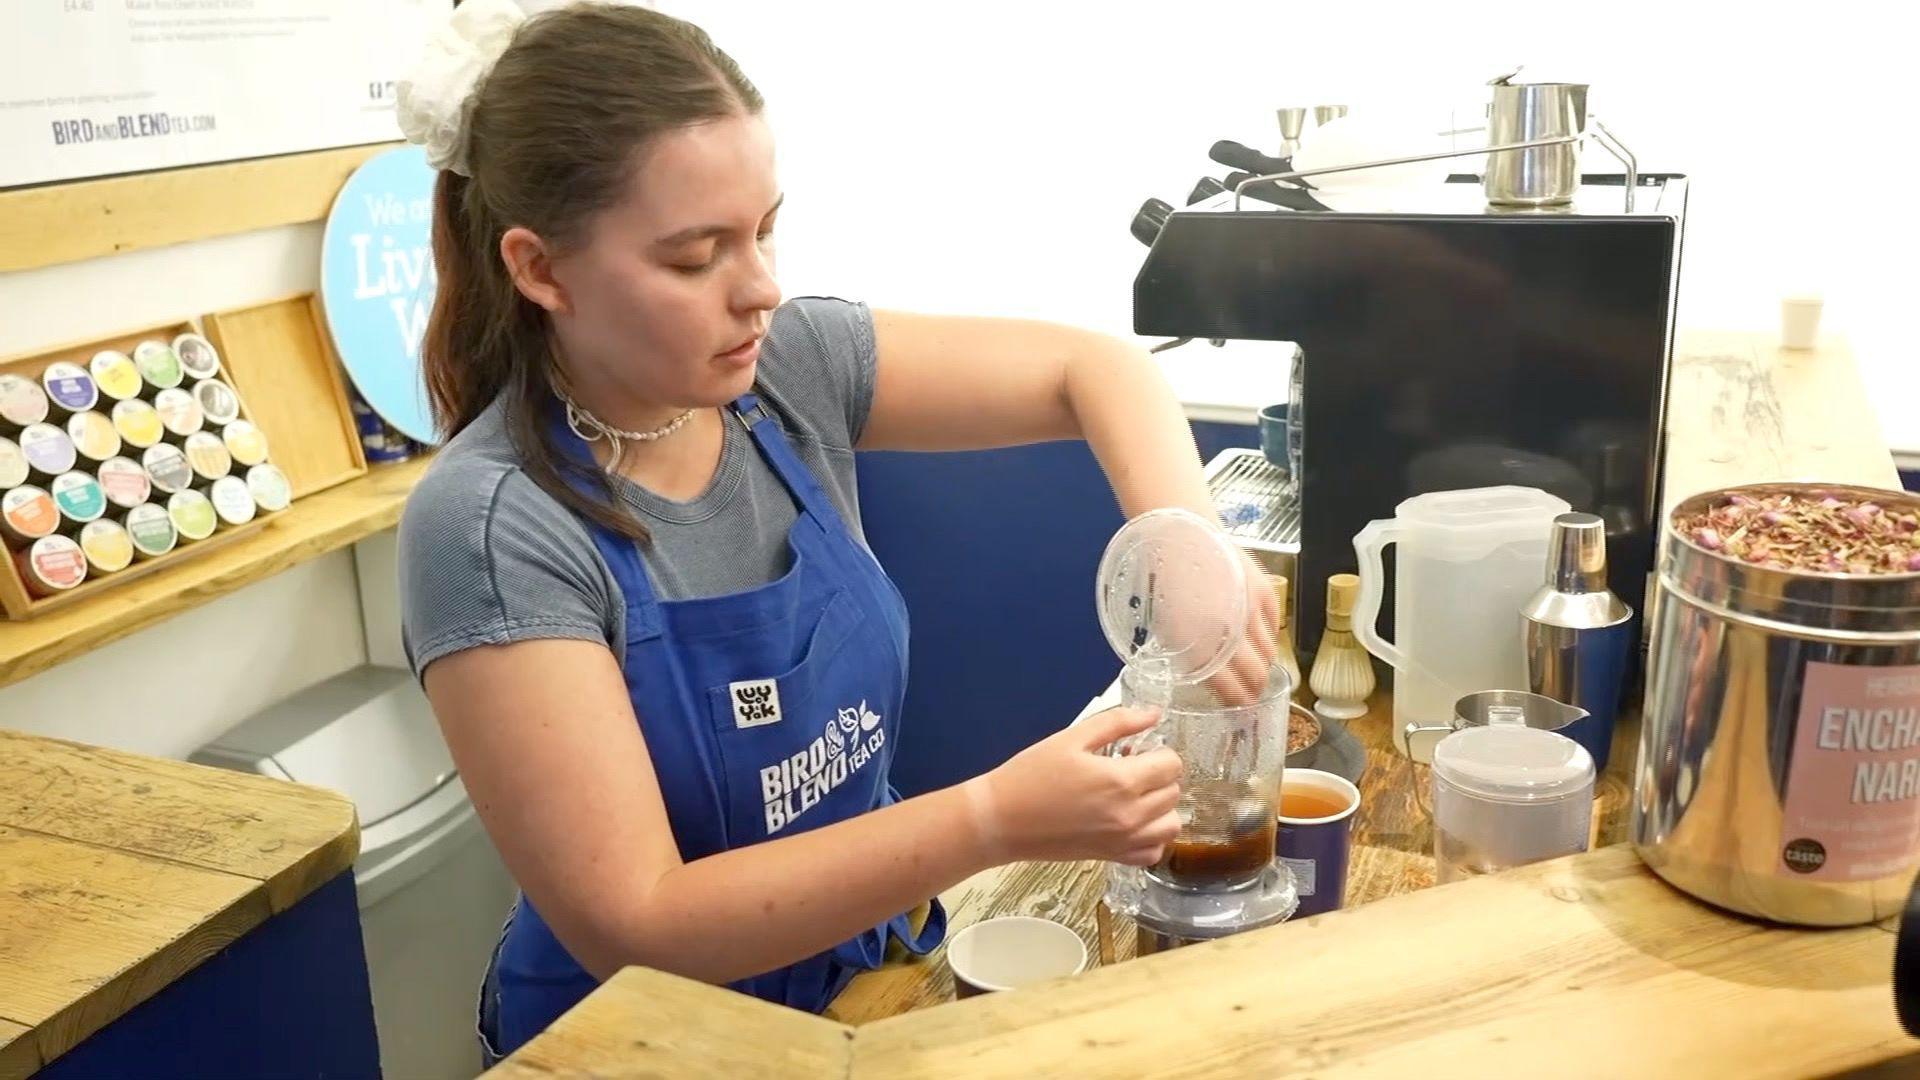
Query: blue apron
{"points": [[767, 713]]}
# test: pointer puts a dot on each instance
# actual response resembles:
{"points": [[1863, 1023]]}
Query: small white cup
{"points": [[1800, 321], [1011, 952]]}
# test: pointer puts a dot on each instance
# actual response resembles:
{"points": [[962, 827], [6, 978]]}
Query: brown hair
{"points": [[553, 135]]}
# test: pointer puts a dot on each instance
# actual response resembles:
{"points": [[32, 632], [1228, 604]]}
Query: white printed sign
{"points": [[98, 87]]}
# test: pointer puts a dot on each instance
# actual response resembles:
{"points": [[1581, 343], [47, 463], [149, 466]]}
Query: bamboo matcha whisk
{"points": [[1287, 660], [1342, 671]]}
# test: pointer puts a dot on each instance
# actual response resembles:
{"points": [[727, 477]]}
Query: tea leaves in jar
{"points": [[1818, 532]]}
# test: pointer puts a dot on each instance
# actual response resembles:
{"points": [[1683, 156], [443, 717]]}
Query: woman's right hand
{"points": [[1063, 799]]}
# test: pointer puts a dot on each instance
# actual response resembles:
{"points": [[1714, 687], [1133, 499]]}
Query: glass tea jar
{"points": [[1173, 593]]}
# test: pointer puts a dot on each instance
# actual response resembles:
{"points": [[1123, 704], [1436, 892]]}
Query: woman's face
{"points": [[672, 290]]}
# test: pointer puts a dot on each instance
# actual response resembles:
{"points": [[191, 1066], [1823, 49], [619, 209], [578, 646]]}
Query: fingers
{"points": [[1147, 773], [1104, 729], [1150, 843]]}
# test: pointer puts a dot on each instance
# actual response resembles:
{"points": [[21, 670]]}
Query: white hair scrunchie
{"points": [[435, 100]]}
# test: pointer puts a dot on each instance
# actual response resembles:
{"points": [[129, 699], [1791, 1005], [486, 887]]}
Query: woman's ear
{"points": [[531, 267]]}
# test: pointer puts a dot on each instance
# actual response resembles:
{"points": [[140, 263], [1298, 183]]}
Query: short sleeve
{"points": [[487, 558], [819, 362]]}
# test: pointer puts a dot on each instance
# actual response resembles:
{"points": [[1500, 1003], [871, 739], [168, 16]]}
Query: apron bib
{"points": [[767, 713]]}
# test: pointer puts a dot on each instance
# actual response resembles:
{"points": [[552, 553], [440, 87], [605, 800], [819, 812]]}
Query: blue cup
{"points": [[1273, 435], [1316, 835]]}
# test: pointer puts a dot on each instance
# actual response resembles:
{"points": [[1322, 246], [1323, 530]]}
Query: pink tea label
{"points": [[1853, 795]]}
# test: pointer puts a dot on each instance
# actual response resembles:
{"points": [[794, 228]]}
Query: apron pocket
{"points": [[787, 740]]}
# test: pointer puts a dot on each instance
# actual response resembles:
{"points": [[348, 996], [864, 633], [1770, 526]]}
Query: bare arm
{"points": [[950, 383], [570, 797]]}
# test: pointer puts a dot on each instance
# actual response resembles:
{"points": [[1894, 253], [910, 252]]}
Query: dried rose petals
{"points": [[1809, 531]]}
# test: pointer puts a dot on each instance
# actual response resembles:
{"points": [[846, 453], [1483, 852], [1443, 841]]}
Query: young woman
{"points": [[635, 585]]}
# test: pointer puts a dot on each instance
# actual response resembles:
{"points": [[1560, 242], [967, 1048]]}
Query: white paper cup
{"points": [[1011, 952], [1800, 322]]}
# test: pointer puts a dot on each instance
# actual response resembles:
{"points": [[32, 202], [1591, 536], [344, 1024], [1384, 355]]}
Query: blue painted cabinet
{"points": [[995, 552]]}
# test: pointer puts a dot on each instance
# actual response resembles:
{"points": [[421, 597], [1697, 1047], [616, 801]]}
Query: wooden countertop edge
{"points": [[1224, 1014], [130, 987], [263, 876]]}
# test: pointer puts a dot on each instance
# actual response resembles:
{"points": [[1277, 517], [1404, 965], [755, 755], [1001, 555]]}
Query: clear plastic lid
{"points": [[1511, 763], [1171, 592]]}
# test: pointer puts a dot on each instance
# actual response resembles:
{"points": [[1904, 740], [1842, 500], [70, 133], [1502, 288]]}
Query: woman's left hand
{"points": [[1244, 678]]}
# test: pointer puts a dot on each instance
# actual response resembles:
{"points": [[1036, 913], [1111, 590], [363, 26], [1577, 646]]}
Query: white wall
{"points": [[987, 156], [172, 687]]}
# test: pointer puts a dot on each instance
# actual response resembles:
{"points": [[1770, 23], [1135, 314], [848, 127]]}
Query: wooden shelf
{"points": [[85, 219], [311, 527]]}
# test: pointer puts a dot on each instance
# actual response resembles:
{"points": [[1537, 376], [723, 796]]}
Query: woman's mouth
{"points": [[744, 353]]}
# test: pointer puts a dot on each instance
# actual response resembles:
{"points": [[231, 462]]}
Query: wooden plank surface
{"points": [[692, 1031], [312, 527], [18, 1058], [1588, 966], [1392, 855], [119, 873], [291, 837], [60, 223], [1582, 967], [1742, 410], [86, 932], [280, 358]]}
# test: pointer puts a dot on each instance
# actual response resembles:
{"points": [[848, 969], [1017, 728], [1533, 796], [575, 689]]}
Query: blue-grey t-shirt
{"points": [[487, 557]]}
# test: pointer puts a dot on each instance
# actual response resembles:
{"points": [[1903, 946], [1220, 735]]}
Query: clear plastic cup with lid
{"points": [[1507, 795]]}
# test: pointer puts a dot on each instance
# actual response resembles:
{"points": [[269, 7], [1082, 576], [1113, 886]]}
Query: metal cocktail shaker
{"points": [[1577, 633]]}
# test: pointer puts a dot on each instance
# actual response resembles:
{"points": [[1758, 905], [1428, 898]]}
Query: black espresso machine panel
{"points": [[1446, 345]]}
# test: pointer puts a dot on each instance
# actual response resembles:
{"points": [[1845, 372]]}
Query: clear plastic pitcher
{"points": [[1465, 562]]}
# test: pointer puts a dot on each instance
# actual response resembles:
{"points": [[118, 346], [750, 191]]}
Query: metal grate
{"points": [[1258, 503]]}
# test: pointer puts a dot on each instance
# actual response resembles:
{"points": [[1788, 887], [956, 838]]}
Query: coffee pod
{"points": [[94, 438], [22, 402], [28, 513], [221, 404], [79, 497], [151, 529], [48, 450], [247, 443], [208, 455], [269, 486], [193, 515], [13, 464], [231, 499], [125, 482], [115, 374], [179, 411], [51, 564], [106, 545], [159, 365], [167, 467], [138, 424], [69, 387], [197, 355]]}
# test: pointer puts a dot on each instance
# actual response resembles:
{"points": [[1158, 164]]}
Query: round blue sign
{"points": [[376, 284]]}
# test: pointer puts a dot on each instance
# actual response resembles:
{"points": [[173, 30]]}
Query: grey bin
{"points": [[433, 893]]}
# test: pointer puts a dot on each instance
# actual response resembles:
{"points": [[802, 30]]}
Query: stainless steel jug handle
{"points": [[1600, 134]]}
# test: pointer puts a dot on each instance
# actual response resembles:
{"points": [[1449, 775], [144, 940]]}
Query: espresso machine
{"points": [[1444, 341]]}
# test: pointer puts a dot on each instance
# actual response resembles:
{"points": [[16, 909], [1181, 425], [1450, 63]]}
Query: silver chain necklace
{"points": [[598, 429]]}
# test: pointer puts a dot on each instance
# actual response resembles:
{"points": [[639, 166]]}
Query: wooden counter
{"points": [[1582, 967], [120, 873]]}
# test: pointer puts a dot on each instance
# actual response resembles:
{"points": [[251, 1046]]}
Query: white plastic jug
{"points": [[1466, 562]]}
